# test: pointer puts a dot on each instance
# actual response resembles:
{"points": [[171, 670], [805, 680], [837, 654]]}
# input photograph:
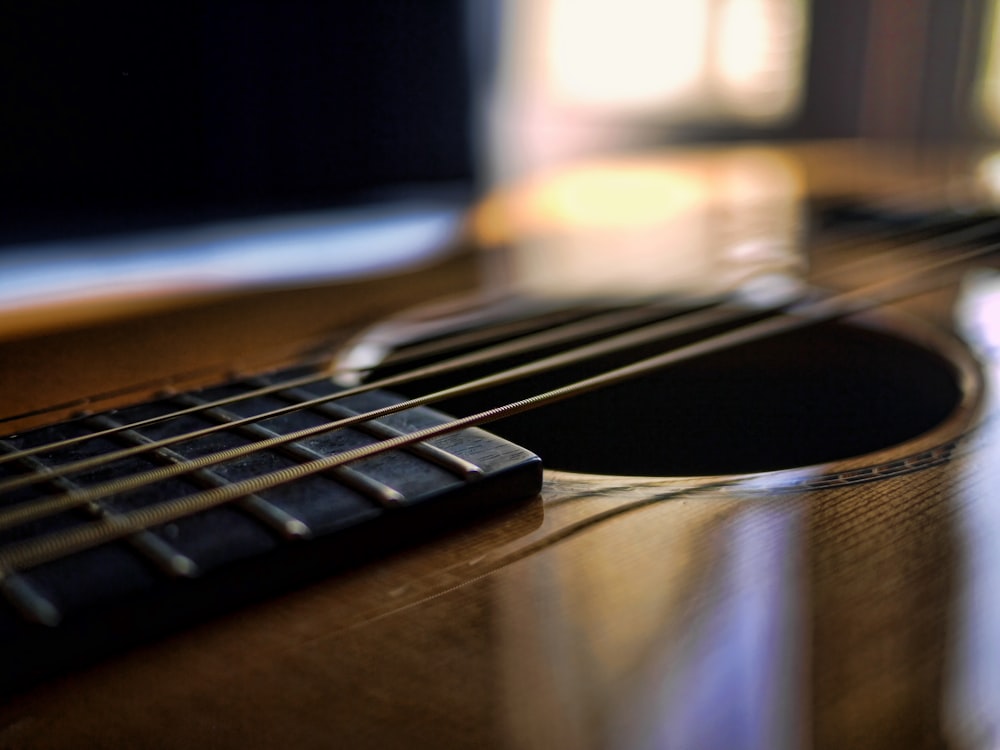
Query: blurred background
{"points": [[120, 115], [129, 117], [677, 71]]}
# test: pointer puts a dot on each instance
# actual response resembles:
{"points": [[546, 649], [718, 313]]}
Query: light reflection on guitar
{"points": [[784, 609]]}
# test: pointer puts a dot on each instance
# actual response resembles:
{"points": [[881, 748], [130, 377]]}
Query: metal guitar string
{"points": [[456, 340], [46, 506], [679, 324], [496, 332], [871, 238], [565, 333], [53, 546], [167, 387], [34, 509], [570, 331]]}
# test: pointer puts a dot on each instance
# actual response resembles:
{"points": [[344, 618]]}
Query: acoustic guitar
{"points": [[680, 451]]}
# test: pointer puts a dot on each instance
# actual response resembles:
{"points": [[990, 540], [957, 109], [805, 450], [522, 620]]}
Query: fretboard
{"points": [[119, 525]]}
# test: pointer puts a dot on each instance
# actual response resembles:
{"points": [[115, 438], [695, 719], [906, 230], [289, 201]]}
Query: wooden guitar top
{"points": [[852, 603]]}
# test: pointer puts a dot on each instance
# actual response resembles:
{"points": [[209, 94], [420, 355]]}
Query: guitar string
{"points": [[570, 332], [965, 233], [66, 442], [595, 325], [38, 508], [34, 509], [169, 382], [973, 227], [464, 338], [395, 358], [46, 548], [518, 372], [984, 228], [407, 354], [313, 377], [486, 355]]}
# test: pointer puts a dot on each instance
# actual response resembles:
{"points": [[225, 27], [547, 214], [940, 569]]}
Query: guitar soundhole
{"points": [[830, 392]]}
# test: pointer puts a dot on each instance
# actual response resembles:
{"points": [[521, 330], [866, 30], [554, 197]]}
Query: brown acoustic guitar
{"points": [[701, 456]]}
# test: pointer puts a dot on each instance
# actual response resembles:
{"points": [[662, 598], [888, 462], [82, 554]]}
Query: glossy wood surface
{"points": [[851, 605]]}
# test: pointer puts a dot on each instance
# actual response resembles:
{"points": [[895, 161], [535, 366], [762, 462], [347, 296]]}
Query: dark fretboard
{"points": [[129, 483]]}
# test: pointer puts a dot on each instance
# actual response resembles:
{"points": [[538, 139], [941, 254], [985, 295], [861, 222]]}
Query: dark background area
{"points": [[895, 70], [122, 116], [125, 116]]}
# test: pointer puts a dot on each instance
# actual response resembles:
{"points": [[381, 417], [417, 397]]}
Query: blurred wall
{"points": [[117, 114]]}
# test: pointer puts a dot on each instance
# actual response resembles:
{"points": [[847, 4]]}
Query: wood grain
{"points": [[834, 606]]}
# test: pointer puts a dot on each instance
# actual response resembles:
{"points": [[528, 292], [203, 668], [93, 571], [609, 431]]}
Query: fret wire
{"points": [[368, 486], [160, 553], [32, 604], [287, 525], [482, 356], [37, 551], [963, 234], [32, 510], [451, 462]]}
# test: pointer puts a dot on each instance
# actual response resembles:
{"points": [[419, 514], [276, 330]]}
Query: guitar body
{"points": [[849, 603]]}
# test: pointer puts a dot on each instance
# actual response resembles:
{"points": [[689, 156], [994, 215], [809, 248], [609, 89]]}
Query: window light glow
{"points": [[741, 58], [759, 57], [628, 54], [584, 77]]}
